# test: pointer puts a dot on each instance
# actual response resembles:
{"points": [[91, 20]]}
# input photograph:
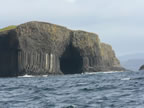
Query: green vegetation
{"points": [[8, 28]]}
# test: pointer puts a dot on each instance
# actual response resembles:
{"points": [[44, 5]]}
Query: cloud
{"points": [[71, 1], [114, 20]]}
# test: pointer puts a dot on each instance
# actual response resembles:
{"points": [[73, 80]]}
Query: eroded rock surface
{"points": [[38, 48]]}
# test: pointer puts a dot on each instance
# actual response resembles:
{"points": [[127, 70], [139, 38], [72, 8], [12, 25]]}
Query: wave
{"points": [[28, 76], [112, 71], [126, 79], [102, 72]]}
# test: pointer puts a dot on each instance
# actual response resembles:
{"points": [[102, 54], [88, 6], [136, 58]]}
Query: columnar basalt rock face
{"points": [[38, 48]]}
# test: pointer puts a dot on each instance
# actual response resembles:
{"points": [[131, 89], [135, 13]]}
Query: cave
{"points": [[71, 61]]}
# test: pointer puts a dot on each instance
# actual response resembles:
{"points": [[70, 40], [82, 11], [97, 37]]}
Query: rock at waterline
{"points": [[39, 48], [142, 67]]}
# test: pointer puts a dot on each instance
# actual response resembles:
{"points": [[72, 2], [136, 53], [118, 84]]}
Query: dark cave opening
{"points": [[71, 62]]}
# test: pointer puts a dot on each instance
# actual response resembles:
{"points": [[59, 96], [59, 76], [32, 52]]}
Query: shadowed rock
{"points": [[38, 48], [142, 67]]}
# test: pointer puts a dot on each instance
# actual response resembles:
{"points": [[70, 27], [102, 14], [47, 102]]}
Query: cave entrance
{"points": [[71, 62]]}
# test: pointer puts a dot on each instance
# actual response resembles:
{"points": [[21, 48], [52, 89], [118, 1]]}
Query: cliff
{"points": [[39, 48]]}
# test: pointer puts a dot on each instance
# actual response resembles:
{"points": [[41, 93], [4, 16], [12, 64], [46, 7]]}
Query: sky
{"points": [[119, 23]]}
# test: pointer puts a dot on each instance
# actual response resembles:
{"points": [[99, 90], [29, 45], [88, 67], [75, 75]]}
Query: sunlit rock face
{"points": [[38, 48]]}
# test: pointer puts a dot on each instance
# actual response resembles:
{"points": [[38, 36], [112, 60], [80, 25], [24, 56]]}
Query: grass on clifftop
{"points": [[8, 28]]}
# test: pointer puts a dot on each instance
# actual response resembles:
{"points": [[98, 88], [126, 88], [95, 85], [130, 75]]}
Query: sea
{"points": [[89, 90]]}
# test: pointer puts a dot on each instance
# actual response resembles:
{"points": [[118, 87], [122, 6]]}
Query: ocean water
{"points": [[94, 90]]}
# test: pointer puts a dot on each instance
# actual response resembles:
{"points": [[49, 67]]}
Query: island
{"points": [[141, 68], [41, 48]]}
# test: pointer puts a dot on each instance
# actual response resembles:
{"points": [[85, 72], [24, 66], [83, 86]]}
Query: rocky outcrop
{"points": [[39, 48], [141, 68]]}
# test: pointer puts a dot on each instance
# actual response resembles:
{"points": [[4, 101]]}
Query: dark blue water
{"points": [[100, 90]]}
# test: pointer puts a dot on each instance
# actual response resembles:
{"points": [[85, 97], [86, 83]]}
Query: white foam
{"points": [[112, 71], [125, 78], [27, 76], [44, 75], [102, 72], [91, 73]]}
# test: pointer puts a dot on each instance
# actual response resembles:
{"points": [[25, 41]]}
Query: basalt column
{"points": [[37, 63]]}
